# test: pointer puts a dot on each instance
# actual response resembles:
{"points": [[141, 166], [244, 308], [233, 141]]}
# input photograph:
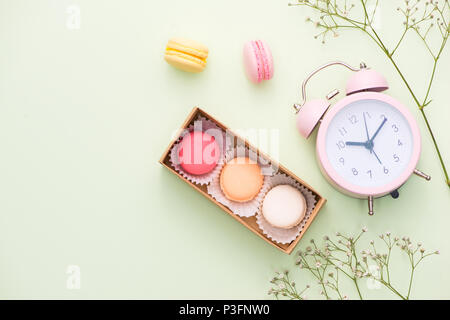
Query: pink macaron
{"points": [[199, 153], [258, 61]]}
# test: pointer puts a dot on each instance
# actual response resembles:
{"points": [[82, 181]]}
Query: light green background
{"points": [[85, 115]]}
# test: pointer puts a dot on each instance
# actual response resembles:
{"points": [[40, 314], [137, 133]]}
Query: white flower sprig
{"points": [[283, 286], [340, 256]]}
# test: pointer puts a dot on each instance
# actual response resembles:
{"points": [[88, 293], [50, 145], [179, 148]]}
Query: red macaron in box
{"points": [[260, 193]]}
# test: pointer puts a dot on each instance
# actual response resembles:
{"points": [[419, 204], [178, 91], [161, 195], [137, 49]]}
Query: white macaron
{"points": [[284, 206]]}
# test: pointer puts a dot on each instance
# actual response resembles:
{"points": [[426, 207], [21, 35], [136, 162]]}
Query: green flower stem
{"points": [[421, 108], [337, 285], [419, 105], [390, 287], [410, 283], [357, 288]]}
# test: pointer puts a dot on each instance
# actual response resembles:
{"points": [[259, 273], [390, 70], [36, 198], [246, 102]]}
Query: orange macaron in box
{"points": [[260, 193]]}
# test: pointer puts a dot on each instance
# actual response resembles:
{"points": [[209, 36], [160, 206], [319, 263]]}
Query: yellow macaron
{"points": [[187, 55]]}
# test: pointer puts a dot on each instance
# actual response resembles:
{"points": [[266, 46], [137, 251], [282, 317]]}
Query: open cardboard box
{"points": [[249, 222]]}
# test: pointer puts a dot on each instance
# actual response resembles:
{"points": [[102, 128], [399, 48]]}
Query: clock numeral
{"points": [[399, 142], [368, 115], [340, 144], [354, 171], [342, 131], [396, 158], [395, 128], [385, 170], [341, 160], [370, 173], [353, 119]]}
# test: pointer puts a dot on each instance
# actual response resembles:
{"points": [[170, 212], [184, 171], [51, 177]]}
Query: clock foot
{"points": [[422, 175], [395, 194], [370, 205]]}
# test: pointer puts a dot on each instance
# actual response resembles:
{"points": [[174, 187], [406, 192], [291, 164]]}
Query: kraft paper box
{"points": [[250, 222]]}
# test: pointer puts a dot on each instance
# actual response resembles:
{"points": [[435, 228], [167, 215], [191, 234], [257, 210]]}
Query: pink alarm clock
{"points": [[368, 143]]}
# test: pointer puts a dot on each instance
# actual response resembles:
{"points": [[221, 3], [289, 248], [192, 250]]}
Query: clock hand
{"points": [[376, 156], [366, 144], [379, 128], [367, 131], [353, 143]]}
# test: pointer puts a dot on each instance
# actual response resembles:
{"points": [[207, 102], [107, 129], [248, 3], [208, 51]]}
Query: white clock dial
{"points": [[370, 157]]}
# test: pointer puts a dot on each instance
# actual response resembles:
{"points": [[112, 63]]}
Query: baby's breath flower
{"points": [[315, 259]]}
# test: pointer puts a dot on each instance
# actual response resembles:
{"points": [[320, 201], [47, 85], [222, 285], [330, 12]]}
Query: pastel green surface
{"points": [[86, 113]]}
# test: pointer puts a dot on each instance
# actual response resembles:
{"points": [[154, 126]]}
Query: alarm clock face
{"points": [[370, 144]]}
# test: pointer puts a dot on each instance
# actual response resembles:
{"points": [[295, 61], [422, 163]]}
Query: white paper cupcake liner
{"points": [[285, 235], [207, 177], [242, 209]]}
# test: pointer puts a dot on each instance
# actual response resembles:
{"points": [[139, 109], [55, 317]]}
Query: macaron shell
{"points": [[185, 62], [189, 46], [284, 206], [266, 54], [241, 179], [199, 153], [252, 65]]}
